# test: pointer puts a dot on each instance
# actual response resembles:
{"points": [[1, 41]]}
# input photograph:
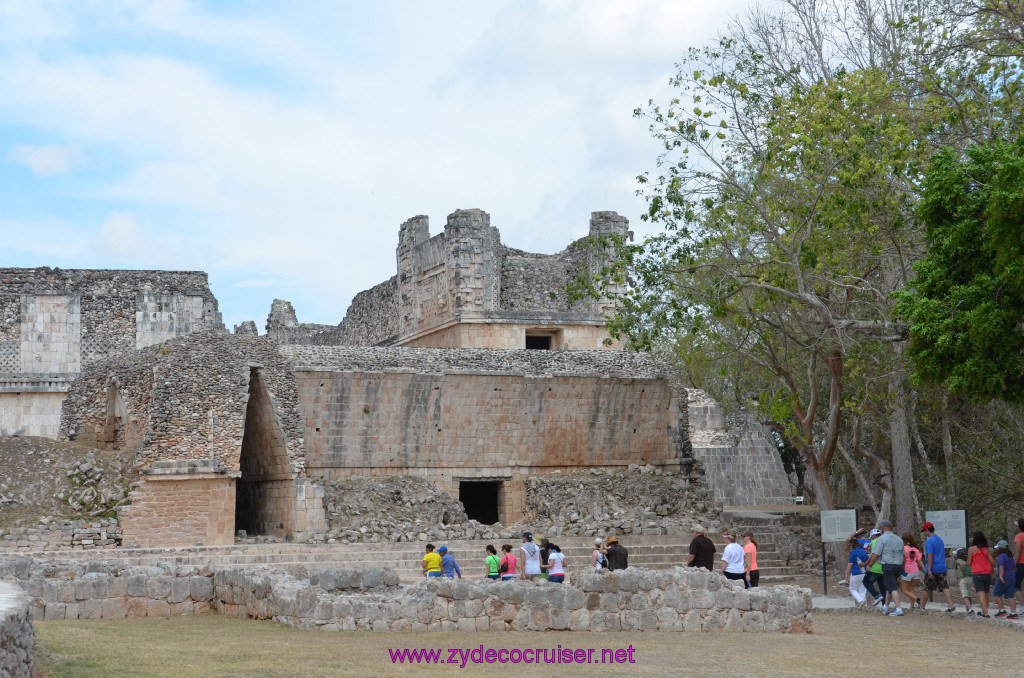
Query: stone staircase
{"points": [[656, 552], [772, 525]]}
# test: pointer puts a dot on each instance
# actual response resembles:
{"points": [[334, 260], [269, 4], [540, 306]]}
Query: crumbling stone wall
{"points": [[200, 406], [55, 322], [17, 633]]}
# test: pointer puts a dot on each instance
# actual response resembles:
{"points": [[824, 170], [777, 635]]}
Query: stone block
{"points": [[753, 621], [560, 618], [91, 609], [114, 608], [158, 588], [53, 611], [180, 590], [158, 608], [201, 588]]}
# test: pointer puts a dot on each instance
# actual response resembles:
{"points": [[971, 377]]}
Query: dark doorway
{"points": [[480, 499], [264, 491], [538, 342]]}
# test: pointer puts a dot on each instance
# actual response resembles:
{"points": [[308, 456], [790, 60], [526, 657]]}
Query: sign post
{"points": [[836, 526], [951, 526]]}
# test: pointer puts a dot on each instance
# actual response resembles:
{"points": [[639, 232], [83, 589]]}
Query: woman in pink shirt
{"points": [[912, 566], [509, 561], [750, 560]]}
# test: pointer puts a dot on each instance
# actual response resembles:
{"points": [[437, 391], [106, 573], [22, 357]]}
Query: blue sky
{"points": [[279, 145]]}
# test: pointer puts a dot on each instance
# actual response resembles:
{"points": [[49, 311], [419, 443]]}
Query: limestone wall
{"points": [[180, 509], [17, 634], [635, 599], [630, 600]]}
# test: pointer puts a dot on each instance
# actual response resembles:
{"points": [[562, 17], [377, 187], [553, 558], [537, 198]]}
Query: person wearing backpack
{"points": [[492, 563]]}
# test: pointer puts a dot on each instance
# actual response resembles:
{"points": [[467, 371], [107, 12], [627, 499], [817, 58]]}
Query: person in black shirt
{"points": [[702, 550], [617, 555]]}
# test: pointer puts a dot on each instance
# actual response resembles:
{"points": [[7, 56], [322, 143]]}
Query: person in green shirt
{"points": [[492, 562], [874, 573]]}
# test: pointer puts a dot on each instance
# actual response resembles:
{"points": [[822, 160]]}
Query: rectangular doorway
{"points": [[480, 499]]}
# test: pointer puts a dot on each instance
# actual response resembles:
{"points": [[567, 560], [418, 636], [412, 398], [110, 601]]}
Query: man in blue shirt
{"points": [[448, 564], [935, 567]]}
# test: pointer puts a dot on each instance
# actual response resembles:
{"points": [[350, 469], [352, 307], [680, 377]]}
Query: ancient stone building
{"points": [[463, 289], [436, 372], [54, 322]]}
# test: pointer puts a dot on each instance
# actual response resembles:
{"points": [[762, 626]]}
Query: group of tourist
{"points": [[546, 560], [535, 561], [738, 562], [897, 563]]}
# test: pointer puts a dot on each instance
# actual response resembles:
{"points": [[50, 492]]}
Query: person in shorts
{"points": [[963, 571], [887, 550], [979, 557], [1005, 586], [935, 568]]}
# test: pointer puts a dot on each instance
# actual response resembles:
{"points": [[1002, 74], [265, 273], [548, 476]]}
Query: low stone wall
{"points": [[17, 634], [630, 600], [635, 599], [61, 534]]}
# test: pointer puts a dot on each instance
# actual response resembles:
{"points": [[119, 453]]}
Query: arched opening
{"points": [[264, 496]]}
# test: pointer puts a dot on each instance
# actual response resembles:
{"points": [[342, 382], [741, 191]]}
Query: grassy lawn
{"points": [[207, 645]]}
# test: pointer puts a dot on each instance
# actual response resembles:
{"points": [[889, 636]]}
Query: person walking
{"points": [[530, 562], [492, 563], [873, 576], [508, 563], [732, 559], [448, 564], [935, 571], [855, 572], [597, 559], [963, 571], [431, 563], [981, 562], [888, 551], [1018, 560], [912, 567], [1005, 579], [618, 556], [750, 559], [702, 550], [555, 564]]}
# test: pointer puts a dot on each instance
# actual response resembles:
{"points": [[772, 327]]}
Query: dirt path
{"points": [[842, 644]]}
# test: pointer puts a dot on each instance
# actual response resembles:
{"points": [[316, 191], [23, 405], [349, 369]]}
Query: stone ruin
{"points": [[470, 369]]}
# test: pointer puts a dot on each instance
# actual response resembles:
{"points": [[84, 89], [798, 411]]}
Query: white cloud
{"points": [[47, 160], [523, 109]]}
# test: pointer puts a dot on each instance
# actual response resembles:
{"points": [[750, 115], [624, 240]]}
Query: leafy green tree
{"points": [[966, 306]]}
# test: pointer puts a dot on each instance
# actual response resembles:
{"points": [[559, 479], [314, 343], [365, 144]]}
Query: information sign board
{"points": [[838, 525], [951, 526]]}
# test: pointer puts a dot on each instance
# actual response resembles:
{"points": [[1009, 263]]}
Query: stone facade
{"points": [[472, 415], [17, 634], [635, 599], [55, 322]]}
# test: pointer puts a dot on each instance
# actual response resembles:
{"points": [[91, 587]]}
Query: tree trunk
{"points": [[947, 452], [861, 480], [899, 435]]}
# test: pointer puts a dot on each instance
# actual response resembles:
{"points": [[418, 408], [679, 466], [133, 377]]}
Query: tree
{"points": [[966, 307]]}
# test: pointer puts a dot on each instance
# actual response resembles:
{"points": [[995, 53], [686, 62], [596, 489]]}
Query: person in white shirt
{"points": [[530, 562], [732, 559]]}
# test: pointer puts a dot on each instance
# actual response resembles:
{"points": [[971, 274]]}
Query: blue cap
{"points": [[443, 549]]}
